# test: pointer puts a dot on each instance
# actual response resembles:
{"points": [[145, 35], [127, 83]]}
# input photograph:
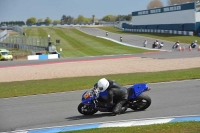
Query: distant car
{"points": [[5, 55]]}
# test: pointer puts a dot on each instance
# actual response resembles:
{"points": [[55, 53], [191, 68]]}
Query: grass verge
{"points": [[23, 88], [75, 43], [178, 127], [167, 37]]}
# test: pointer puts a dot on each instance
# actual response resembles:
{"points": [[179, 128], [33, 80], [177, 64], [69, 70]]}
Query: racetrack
{"points": [[168, 99], [134, 40]]}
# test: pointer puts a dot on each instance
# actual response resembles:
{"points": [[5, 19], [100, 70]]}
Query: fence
{"points": [[3, 35], [17, 29], [25, 43], [187, 33]]}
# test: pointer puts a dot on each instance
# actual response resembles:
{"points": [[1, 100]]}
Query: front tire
{"points": [[140, 103], [86, 110]]}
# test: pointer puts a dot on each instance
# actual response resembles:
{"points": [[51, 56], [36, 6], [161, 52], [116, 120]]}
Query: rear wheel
{"points": [[86, 110], [140, 103]]}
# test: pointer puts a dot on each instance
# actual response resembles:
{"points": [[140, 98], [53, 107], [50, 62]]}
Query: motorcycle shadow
{"points": [[99, 115], [80, 117]]}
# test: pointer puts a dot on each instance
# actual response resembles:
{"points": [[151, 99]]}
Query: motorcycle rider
{"points": [[145, 43], [115, 92], [120, 39], [176, 45], [106, 33], [193, 44], [155, 44], [160, 45]]}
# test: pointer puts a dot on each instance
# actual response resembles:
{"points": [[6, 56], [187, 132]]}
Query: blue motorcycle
{"points": [[137, 100]]}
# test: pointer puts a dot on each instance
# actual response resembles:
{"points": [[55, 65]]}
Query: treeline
{"points": [[13, 23], [158, 3], [80, 19], [71, 20]]}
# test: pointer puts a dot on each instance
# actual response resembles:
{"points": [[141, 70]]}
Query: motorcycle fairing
{"points": [[87, 100], [137, 89], [104, 94]]}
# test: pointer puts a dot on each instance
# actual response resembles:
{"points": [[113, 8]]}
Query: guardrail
{"points": [[3, 35], [23, 47], [188, 33], [17, 29], [25, 43]]}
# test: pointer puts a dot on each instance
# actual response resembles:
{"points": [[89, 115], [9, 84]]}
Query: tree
{"points": [[172, 2], [39, 20], [47, 21], [31, 20], [124, 17], [128, 17], [56, 22], [120, 18], [63, 19], [155, 4], [13, 23], [82, 19], [67, 19], [109, 18]]}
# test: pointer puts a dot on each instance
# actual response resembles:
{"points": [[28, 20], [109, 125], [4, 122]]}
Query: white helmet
{"points": [[102, 84]]}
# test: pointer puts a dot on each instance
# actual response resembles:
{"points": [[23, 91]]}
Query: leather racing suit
{"points": [[116, 95]]}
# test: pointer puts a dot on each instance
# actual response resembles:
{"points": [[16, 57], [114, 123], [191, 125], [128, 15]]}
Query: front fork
{"points": [[88, 107]]}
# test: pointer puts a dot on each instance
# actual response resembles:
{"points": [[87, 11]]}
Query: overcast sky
{"points": [[21, 10]]}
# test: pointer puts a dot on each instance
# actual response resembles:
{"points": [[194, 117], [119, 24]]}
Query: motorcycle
{"points": [[193, 45], [155, 44], [175, 46], [160, 45], [137, 100]]}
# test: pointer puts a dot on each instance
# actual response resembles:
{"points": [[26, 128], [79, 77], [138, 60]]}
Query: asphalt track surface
{"points": [[58, 109], [130, 39]]}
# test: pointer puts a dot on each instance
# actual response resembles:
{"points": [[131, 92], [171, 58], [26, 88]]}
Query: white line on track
{"points": [[25, 130]]}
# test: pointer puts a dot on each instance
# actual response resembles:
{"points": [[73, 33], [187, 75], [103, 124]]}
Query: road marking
{"points": [[120, 123]]}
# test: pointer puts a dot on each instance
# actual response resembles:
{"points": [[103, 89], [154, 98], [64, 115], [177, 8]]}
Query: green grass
{"points": [[167, 37], [75, 43], [23, 88], [178, 127]]}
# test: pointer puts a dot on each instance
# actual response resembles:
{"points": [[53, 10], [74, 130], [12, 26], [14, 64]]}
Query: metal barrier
{"points": [[25, 43], [187, 33], [3, 35], [17, 29]]}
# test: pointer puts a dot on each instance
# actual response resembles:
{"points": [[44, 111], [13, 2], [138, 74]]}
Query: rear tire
{"points": [[90, 110], [140, 103]]}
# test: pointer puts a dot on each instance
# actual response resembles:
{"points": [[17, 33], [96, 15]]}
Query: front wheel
{"points": [[86, 109], [140, 103]]}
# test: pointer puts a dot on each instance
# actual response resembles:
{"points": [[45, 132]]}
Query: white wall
{"points": [[197, 16], [184, 16]]}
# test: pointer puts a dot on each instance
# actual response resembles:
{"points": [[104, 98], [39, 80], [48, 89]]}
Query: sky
{"points": [[21, 10]]}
